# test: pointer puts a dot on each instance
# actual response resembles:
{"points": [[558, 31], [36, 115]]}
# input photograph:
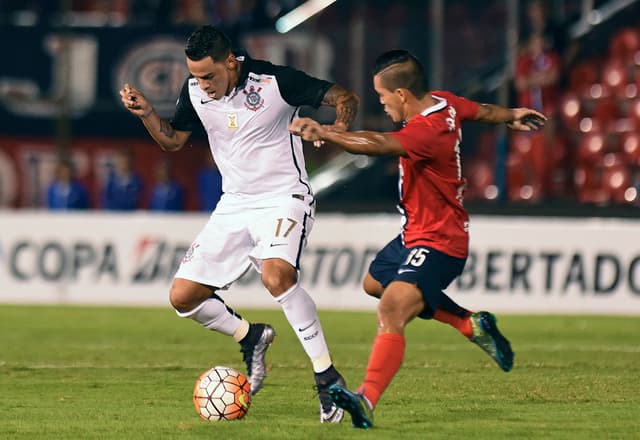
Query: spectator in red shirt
{"points": [[537, 74]]}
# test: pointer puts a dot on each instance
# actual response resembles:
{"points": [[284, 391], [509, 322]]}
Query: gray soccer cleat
{"points": [[254, 357]]}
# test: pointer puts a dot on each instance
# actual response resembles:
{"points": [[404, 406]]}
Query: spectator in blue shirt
{"points": [[167, 194], [65, 192], [209, 186], [124, 187]]}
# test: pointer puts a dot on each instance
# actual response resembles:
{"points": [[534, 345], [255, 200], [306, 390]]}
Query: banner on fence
{"points": [[516, 264]]}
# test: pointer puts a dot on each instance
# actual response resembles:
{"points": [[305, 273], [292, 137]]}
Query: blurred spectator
{"points": [[209, 186], [65, 191], [536, 76], [555, 34], [536, 80], [192, 12], [539, 22], [124, 187], [167, 194]]}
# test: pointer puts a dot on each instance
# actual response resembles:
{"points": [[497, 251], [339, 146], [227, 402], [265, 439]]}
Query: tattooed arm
{"points": [[346, 103], [160, 130]]}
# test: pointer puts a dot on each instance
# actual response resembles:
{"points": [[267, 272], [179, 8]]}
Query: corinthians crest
{"points": [[253, 100]]}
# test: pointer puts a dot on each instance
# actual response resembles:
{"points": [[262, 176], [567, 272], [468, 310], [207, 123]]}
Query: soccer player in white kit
{"points": [[267, 210]]}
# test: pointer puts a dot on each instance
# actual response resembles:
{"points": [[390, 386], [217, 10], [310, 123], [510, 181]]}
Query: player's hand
{"points": [[526, 119], [135, 101], [309, 130]]}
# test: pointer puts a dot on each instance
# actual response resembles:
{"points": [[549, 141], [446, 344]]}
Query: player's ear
{"points": [[231, 61], [402, 94]]}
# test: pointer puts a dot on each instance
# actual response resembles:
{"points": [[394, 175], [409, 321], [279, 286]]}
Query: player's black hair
{"points": [[400, 69], [207, 41]]}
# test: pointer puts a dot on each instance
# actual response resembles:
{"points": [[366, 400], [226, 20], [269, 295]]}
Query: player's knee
{"points": [[278, 278], [388, 310], [183, 297], [278, 283], [177, 299], [397, 307]]}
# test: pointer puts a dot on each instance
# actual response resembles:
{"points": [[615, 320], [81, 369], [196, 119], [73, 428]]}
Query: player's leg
{"points": [[200, 303], [282, 236], [400, 303], [480, 327], [449, 312], [218, 257], [383, 268], [372, 286], [280, 278], [416, 285]]}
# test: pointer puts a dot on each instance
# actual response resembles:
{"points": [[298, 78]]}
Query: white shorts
{"points": [[238, 235]]}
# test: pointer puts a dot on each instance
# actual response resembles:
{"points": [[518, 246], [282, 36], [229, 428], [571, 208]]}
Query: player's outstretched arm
{"points": [[346, 103], [521, 119], [370, 143], [160, 130]]}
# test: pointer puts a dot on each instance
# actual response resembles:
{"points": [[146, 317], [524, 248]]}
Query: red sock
{"points": [[462, 324], [384, 362]]}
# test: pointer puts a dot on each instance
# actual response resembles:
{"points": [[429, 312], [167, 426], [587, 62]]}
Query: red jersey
{"points": [[545, 98], [431, 182]]}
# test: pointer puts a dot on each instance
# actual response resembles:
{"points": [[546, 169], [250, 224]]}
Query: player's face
{"points": [[217, 79], [391, 101]]}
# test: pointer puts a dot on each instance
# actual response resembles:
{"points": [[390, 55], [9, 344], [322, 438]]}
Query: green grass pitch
{"points": [[128, 373]]}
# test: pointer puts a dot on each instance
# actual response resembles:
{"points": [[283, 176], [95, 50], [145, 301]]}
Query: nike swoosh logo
{"points": [[405, 270], [307, 327], [202, 101], [243, 401], [277, 244]]}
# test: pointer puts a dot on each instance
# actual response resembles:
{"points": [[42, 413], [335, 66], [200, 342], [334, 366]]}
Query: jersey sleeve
{"points": [[466, 108], [298, 88], [185, 117], [416, 138]]}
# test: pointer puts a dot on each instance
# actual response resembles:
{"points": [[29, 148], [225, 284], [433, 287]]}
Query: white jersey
{"points": [[248, 130]]}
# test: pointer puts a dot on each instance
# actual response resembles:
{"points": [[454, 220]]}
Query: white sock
{"points": [[214, 315], [301, 313]]}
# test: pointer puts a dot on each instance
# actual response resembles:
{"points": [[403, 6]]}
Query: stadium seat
{"points": [[582, 76], [624, 43], [633, 111], [587, 180], [521, 145], [591, 149], [630, 91], [605, 112], [590, 125], [556, 176], [521, 180], [480, 181], [623, 125], [615, 76], [596, 91], [630, 143], [570, 111], [616, 179]]}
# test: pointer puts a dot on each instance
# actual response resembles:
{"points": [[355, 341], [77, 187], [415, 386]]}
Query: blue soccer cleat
{"points": [[355, 404], [487, 336]]}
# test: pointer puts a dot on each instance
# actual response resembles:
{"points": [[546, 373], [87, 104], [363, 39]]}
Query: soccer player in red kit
{"points": [[410, 273]]}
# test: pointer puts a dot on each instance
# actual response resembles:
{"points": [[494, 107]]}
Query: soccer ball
{"points": [[222, 393]]}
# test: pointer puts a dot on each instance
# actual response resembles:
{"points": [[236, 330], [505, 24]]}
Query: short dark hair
{"points": [[400, 69], [207, 41]]}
